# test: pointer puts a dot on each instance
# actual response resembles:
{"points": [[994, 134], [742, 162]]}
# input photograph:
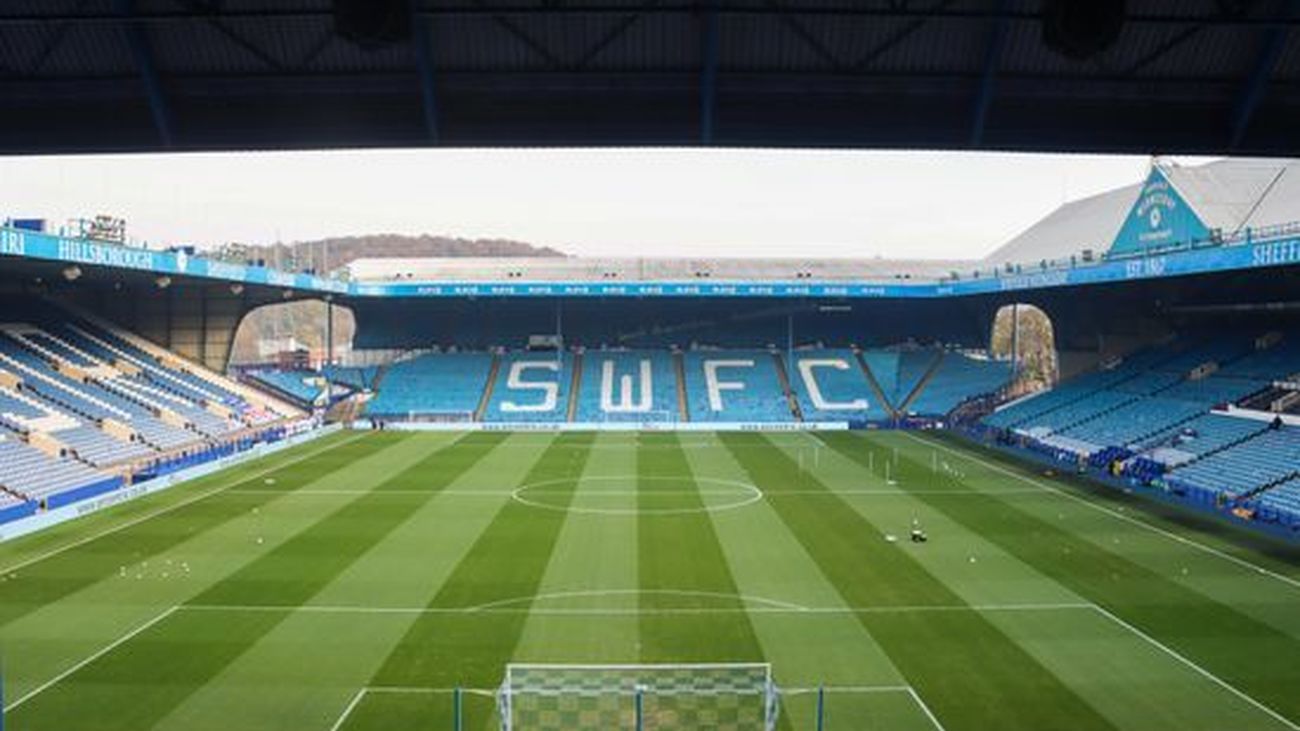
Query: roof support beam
{"points": [[618, 30], [421, 37], [988, 79], [142, 54], [708, 72], [1252, 92]]}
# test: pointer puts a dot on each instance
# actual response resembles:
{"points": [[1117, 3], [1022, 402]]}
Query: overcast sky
{"points": [[632, 202]]}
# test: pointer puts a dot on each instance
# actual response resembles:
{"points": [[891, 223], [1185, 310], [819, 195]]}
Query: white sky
{"points": [[630, 202]]}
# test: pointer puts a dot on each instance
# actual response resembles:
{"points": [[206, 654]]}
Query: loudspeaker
{"points": [[373, 23], [1081, 29]]}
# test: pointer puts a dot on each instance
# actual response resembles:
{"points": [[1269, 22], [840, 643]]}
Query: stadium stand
{"points": [[613, 386], [1134, 421], [735, 386], [830, 386], [303, 387], [1267, 459], [433, 386], [883, 365], [957, 378], [356, 378], [1281, 504], [85, 409], [913, 365], [531, 387], [1198, 437], [1149, 418], [28, 474]]}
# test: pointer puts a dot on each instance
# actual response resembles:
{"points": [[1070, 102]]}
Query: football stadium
{"points": [[580, 493]]}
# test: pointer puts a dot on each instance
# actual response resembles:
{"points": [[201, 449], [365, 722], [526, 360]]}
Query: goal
{"points": [[725, 697]]}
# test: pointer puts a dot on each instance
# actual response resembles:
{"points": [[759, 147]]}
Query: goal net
{"points": [[725, 697]]}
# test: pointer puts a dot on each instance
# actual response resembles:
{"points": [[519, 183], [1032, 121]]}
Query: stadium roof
{"points": [[1204, 76], [1228, 195]]}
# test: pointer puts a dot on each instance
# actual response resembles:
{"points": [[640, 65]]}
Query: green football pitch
{"points": [[354, 582]]}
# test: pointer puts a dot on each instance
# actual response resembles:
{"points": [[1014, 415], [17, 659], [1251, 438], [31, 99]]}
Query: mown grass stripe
{"points": [[1255, 657], [970, 673], [175, 657], [294, 571], [45, 582], [507, 562], [680, 552]]}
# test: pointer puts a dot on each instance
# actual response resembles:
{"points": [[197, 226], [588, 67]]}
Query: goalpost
{"points": [[724, 697]]}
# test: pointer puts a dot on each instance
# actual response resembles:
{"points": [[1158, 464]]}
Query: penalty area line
{"points": [[360, 695], [348, 709], [95, 656], [1184, 660], [638, 611]]}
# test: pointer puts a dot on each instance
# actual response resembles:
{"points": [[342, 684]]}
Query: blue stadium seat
{"points": [[746, 387], [830, 386], [531, 387], [612, 386], [439, 385], [959, 378], [305, 387], [1270, 457]]}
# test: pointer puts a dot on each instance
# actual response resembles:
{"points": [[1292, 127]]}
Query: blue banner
{"points": [[1283, 249], [1159, 218]]}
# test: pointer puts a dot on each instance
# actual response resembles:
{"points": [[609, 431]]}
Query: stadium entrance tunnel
{"points": [[1025, 334], [267, 332], [638, 495]]}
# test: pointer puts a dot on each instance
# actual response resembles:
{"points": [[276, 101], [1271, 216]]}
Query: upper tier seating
{"points": [[745, 387], [433, 384], [531, 387], [612, 387], [831, 386]]}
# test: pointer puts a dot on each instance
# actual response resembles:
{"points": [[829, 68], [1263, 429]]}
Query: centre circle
{"points": [[632, 495]]}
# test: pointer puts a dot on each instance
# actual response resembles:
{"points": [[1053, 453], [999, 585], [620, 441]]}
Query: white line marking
{"points": [[845, 689], [150, 516], [413, 689], [1116, 514], [635, 611], [636, 592], [925, 708], [100, 653], [495, 493], [347, 710], [1197, 668]]}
